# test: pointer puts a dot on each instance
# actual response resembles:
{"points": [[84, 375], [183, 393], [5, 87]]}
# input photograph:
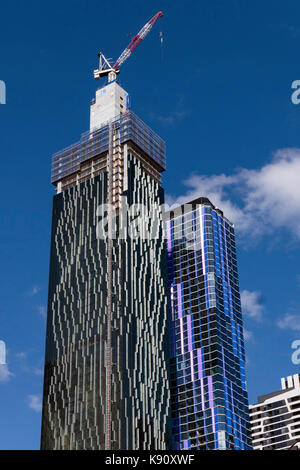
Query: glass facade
{"points": [[106, 367], [208, 387]]}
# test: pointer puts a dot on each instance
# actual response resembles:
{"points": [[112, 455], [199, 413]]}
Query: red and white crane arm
{"points": [[106, 69], [136, 41]]}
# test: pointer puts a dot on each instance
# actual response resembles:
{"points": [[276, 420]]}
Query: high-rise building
{"points": [[275, 418], [106, 380], [208, 387]]}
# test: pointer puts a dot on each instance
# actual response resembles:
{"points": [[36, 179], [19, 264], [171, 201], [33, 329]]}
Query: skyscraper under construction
{"points": [[106, 380]]}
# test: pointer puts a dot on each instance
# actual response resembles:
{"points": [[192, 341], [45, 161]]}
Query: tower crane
{"points": [[105, 67]]}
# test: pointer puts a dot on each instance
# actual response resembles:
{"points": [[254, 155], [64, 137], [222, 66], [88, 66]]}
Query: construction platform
{"points": [[95, 142]]}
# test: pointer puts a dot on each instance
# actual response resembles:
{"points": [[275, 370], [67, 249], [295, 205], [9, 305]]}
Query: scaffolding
{"points": [[95, 142]]}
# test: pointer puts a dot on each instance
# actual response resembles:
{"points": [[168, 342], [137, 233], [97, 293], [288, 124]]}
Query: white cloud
{"points": [[21, 355], [251, 304], [5, 374], [33, 291], [290, 321], [171, 118], [42, 311], [248, 335], [36, 370], [178, 113], [35, 403], [256, 201]]}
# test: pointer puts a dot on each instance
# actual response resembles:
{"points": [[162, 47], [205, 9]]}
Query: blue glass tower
{"points": [[208, 387]]}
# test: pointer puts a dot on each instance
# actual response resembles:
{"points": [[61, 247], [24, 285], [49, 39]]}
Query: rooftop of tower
{"points": [[292, 382], [95, 142], [192, 205], [110, 107]]}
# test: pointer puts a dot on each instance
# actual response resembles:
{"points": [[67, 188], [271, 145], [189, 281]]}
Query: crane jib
{"points": [[136, 41]]}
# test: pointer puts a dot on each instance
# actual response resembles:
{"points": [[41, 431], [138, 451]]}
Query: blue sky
{"points": [[219, 96]]}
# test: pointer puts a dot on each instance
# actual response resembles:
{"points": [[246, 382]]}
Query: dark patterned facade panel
{"points": [[74, 401]]}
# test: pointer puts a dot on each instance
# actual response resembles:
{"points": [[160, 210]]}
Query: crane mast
{"points": [[106, 69], [112, 165]]}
